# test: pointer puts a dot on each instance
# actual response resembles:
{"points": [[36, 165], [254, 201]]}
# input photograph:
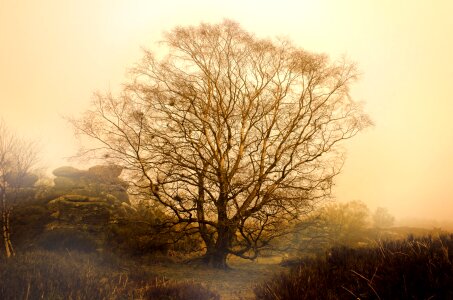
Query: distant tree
{"points": [[346, 222], [17, 158], [382, 218], [335, 224], [234, 135]]}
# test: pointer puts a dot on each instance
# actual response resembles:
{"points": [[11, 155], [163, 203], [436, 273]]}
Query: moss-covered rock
{"points": [[87, 201], [82, 213], [96, 181], [89, 210], [67, 183]]}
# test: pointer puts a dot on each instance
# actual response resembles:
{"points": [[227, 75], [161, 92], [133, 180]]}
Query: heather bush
{"points": [[420, 268]]}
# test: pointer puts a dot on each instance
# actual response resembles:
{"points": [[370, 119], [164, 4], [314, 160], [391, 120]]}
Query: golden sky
{"points": [[54, 54]]}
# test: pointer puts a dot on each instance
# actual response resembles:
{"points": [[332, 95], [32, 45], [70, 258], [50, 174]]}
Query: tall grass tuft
{"points": [[420, 268]]}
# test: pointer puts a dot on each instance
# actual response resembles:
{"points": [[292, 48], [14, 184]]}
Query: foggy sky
{"points": [[55, 54]]}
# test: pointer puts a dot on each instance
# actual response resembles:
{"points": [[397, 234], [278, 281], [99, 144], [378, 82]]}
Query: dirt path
{"points": [[236, 283]]}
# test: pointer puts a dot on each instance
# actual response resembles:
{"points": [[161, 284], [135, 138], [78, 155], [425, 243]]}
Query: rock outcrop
{"points": [[88, 201], [97, 181]]}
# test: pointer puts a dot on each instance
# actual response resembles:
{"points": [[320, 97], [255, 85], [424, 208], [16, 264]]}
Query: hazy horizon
{"points": [[55, 54]]}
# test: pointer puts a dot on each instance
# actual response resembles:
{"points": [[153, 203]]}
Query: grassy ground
{"points": [[236, 283]]}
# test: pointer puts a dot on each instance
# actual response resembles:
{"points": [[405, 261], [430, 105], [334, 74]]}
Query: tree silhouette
{"points": [[233, 135]]}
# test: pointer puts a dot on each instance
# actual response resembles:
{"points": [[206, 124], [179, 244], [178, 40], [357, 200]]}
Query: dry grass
{"points": [[83, 276]]}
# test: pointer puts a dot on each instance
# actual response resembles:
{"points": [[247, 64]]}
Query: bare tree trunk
{"points": [[17, 157], [216, 256], [9, 250]]}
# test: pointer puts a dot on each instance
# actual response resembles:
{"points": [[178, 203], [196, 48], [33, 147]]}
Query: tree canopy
{"points": [[382, 218], [233, 135]]}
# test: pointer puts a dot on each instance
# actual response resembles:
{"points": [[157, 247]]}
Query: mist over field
{"points": [[203, 150]]}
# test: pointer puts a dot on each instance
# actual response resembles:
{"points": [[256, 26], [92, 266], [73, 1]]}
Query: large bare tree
{"points": [[17, 158], [233, 135]]}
